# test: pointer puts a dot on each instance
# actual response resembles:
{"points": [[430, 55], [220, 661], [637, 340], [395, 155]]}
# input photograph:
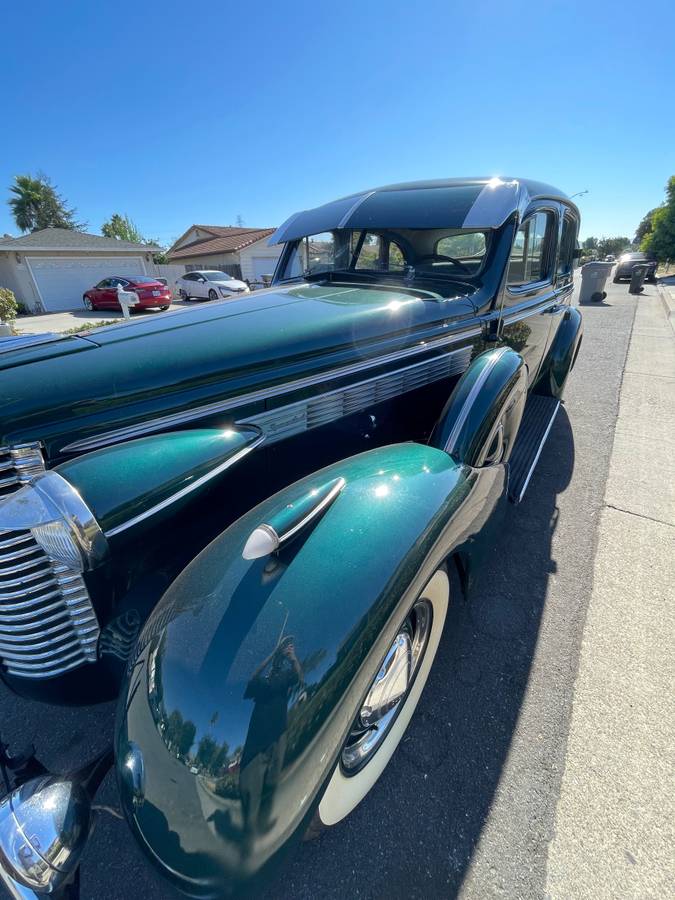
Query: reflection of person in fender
{"points": [[262, 758]]}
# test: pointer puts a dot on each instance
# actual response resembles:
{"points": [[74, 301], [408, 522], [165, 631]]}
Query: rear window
{"points": [[139, 279]]}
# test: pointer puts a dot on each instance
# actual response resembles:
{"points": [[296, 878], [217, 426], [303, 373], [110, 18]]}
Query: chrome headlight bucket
{"points": [[59, 520]]}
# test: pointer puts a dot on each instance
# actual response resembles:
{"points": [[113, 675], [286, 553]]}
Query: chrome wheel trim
{"points": [[343, 792], [389, 690], [88, 305]]}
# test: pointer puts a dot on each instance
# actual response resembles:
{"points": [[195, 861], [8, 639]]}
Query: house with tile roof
{"points": [[241, 252]]}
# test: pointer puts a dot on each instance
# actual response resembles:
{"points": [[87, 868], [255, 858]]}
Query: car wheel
{"points": [[163, 308], [380, 723], [183, 295], [213, 295], [88, 304]]}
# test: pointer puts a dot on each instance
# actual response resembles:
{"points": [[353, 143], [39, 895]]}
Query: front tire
{"points": [[213, 295], [88, 305], [367, 750]]}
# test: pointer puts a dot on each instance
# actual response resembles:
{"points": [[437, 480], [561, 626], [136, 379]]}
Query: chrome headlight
{"points": [[59, 520]]}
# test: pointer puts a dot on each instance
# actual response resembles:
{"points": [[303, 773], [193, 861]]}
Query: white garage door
{"points": [[62, 282], [263, 265]]}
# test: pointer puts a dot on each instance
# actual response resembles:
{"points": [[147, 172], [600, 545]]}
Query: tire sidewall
{"points": [[343, 793]]}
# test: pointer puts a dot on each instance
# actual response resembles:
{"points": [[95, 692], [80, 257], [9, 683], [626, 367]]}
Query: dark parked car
{"points": [[247, 521], [153, 293], [624, 266]]}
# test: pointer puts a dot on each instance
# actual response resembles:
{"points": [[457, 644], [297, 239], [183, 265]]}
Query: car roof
{"points": [[481, 202]]}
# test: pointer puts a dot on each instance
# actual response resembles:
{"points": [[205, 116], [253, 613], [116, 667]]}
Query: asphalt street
{"points": [[467, 807]]}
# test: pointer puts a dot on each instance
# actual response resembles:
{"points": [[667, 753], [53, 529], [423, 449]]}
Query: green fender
{"points": [[561, 355], [198, 722], [480, 421], [128, 484]]}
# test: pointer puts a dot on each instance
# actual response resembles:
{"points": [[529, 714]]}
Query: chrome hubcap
{"points": [[389, 689]]}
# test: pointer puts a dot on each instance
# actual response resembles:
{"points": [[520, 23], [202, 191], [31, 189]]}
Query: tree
{"points": [[123, 229], [37, 204], [661, 239], [645, 226], [206, 750], [614, 245], [590, 243]]}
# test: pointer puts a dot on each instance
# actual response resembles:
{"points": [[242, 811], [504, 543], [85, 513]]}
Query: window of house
{"points": [[530, 259]]}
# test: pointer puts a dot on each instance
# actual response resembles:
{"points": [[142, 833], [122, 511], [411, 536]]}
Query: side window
{"points": [[103, 284], [567, 242], [530, 259], [379, 254]]}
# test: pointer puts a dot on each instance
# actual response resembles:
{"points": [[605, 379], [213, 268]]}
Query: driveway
{"points": [[57, 322]]}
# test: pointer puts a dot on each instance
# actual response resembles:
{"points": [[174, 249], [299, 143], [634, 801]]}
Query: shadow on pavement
{"points": [[451, 760]]}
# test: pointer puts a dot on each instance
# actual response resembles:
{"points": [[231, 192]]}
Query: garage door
{"points": [[62, 282], [263, 265]]}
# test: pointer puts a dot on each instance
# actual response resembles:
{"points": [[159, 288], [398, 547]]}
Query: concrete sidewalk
{"points": [[614, 830]]}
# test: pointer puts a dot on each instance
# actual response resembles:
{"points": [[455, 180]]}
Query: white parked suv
{"points": [[209, 285]]}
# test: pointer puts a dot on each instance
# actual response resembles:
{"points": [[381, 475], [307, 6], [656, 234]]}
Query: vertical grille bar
{"points": [[47, 622], [18, 464]]}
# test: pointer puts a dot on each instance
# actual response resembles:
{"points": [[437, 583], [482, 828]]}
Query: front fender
{"points": [[480, 421], [128, 486], [234, 740]]}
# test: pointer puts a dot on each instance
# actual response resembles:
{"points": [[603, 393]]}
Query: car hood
{"points": [[74, 389], [232, 284]]}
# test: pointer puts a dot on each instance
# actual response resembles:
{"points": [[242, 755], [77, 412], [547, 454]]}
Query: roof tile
{"points": [[226, 239]]}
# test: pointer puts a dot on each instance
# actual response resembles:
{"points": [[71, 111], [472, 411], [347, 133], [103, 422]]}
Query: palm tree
{"points": [[26, 204], [37, 204]]}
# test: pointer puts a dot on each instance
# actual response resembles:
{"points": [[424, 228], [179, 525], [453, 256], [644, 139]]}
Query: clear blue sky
{"points": [[175, 113]]}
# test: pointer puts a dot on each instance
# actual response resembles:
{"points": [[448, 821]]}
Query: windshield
{"points": [[424, 252], [217, 276]]}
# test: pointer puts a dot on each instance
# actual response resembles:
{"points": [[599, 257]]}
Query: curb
{"points": [[668, 299]]}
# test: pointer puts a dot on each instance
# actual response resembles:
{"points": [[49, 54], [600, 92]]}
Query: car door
{"points": [[97, 293], [530, 295], [201, 286]]}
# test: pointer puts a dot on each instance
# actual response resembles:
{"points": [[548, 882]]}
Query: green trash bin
{"points": [[594, 275]]}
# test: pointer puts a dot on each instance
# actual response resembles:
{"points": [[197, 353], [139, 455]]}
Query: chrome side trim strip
{"points": [[538, 453], [321, 409], [533, 310], [313, 513], [186, 490], [180, 418], [471, 399]]}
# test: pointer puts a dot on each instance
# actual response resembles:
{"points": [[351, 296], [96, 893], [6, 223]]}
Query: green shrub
{"points": [[8, 306]]}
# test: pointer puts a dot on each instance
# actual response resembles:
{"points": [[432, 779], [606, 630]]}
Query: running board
{"points": [[538, 418]]}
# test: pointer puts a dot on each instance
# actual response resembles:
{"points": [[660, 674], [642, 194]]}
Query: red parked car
{"points": [[151, 293]]}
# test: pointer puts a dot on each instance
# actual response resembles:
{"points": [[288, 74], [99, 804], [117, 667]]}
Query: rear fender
{"points": [[561, 356], [480, 421], [234, 757]]}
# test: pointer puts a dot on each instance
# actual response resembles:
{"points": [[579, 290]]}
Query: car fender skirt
{"points": [[561, 355], [480, 421], [248, 674]]}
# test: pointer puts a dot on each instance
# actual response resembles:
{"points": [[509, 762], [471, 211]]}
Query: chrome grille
{"points": [[47, 623], [294, 418], [17, 465]]}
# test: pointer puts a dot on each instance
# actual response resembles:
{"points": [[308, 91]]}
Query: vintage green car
{"points": [[245, 520]]}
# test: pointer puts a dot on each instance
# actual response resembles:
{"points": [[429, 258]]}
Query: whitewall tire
{"points": [[347, 789]]}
